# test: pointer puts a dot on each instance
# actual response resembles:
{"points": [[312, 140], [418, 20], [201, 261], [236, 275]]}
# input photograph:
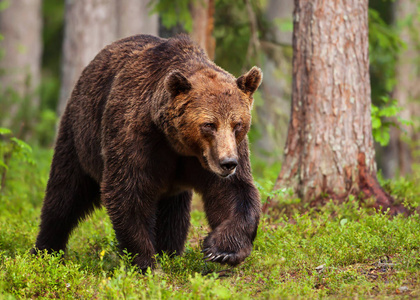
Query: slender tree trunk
{"points": [[20, 62], [202, 13], [329, 148], [273, 115], [89, 26], [387, 157], [398, 156], [133, 18]]}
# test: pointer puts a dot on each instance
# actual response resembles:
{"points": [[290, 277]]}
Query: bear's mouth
{"points": [[220, 173], [227, 174]]}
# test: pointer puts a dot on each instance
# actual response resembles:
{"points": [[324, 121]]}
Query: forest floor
{"points": [[337, 251]]}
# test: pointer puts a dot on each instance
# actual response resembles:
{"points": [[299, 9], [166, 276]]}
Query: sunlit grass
{"points": [[336, 251]]}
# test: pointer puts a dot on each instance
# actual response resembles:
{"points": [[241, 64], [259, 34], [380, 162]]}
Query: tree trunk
{"points": [[20, 62], [202, 13], [89, 26], [387, 157], [329, 148], [398, 156], [273, 115], [133, 18]]}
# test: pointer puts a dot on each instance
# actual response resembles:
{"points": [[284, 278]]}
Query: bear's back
{"points": [[85, 108], [137, 58], [127, 67]]}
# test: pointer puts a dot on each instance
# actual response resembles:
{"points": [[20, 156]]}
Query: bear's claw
{"points": [[230, 258], [210, 257], [207, 256], [225, 258], [216, 249], [215, 259], [220, 258]]}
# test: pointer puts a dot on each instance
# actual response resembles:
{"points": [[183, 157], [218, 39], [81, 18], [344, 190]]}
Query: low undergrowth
{"points": [[333, 252]]}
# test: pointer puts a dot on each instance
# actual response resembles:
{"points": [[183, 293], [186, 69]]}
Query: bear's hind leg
{"points": [[173, 222], [70, 196]]}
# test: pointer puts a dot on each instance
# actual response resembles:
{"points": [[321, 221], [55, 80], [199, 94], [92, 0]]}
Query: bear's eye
{"points": [[238, 126], [209, 126]]}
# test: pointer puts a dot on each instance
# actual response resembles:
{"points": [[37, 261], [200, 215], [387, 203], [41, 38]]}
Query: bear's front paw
{"points": [[225, 249]]}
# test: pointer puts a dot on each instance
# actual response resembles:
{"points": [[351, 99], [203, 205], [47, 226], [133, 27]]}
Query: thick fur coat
{"points": [[149, 121]]}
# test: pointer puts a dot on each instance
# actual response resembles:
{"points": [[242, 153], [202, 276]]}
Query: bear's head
{"points": [[209, 115]]}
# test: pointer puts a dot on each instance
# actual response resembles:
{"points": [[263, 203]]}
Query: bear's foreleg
{"points": [[233, 210], [173, 222]]}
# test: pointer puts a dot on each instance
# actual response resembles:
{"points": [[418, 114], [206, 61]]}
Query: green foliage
{"points": [[45, 128], [23, 187], [208, 287], [384, 47], [381, 121], [285, 25], [24, 276], [12, 100], [232, 34], [33, 121], [52, 35], [264, 177], [173, 12], [339, 251], [4, 4], [404, 189], [12, 148], [49, 91]]}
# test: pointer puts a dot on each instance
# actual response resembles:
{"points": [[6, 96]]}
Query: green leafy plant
{"points": [[385, 45], [44, 129], [173, 12], [11, 146], [335, 251], [383, 117]]}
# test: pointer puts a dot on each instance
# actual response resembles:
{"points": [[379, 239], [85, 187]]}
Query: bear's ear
{"points": [[249, 82], [176, 83]]}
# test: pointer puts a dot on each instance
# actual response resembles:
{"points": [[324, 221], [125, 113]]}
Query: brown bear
{"points": [[150, 120]]}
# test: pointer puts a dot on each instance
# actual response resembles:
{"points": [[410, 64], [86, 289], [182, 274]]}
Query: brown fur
{"points": [[149, 120]]}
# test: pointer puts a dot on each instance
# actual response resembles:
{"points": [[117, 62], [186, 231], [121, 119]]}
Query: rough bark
{"points": [[20, 62], [202, 13], [329, 148], [398, 155]]}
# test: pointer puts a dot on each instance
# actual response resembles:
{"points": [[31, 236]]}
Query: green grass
{"points": [[333, 252]]}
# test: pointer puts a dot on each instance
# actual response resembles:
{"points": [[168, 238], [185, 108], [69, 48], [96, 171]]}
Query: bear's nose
{"points": [[228, 164]]}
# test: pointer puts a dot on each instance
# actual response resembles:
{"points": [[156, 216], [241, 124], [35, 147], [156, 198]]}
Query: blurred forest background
{"points": [[46, 44]]}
